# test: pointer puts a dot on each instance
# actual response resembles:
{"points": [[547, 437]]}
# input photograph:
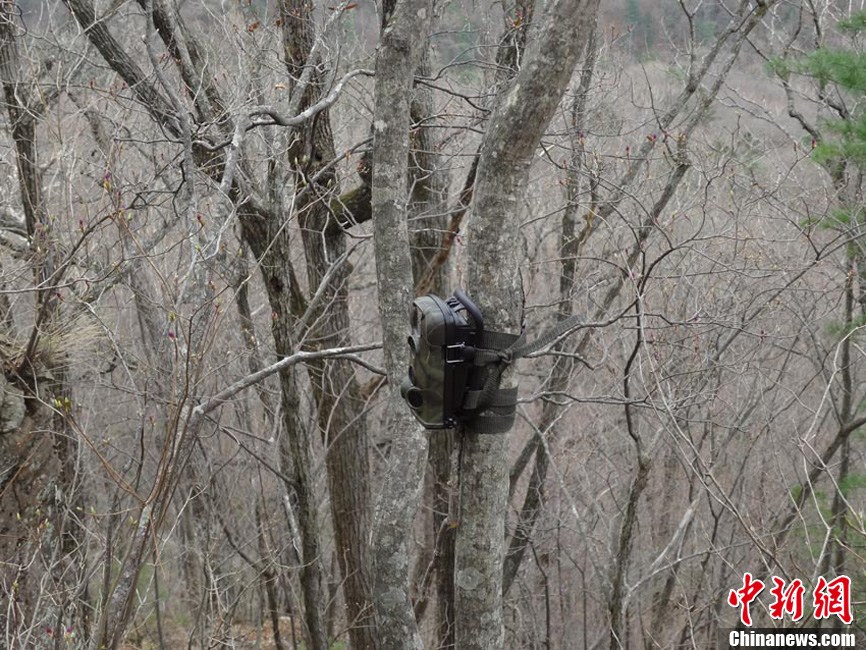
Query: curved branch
{"points": [[295, 120], [291, 360]]}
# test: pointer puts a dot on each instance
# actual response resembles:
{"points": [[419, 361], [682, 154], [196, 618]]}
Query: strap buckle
{"points": [[455, 353]]}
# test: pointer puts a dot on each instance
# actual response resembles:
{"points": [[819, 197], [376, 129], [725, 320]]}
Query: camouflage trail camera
{"points": [[456, 367]]}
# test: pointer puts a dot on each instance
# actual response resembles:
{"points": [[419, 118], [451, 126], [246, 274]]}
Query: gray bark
{"points": [[295, 453], [395, 67], [261, 229], [39, 478], [516, 126], [339, 402], [562, 366]]}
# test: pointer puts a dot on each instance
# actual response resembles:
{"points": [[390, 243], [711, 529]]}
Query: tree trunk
{"points": [[270, 245], [342, 423], [516, 126], [563, 366], [41, 539], [403, 39]]}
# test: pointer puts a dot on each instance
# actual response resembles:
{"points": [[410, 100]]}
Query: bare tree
{"points": [[215, 221], [518, 122]]}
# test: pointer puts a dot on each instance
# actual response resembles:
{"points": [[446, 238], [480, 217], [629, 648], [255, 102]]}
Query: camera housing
{"points": [[443, 339]]}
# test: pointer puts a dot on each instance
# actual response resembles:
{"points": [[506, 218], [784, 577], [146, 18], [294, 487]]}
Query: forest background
{"points": [[213, 219]]}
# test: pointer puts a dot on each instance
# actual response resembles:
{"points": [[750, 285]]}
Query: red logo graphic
{"points": [[787, 600], [744, 596], [830, 598], [833, 598]]}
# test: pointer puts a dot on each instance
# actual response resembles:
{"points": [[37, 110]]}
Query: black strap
{"points": [[499, 341], [497, 416], [556, 332], [495, 346], [496, 408]]}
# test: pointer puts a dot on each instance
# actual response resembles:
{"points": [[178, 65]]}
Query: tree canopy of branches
{"points": [[215, 216]]}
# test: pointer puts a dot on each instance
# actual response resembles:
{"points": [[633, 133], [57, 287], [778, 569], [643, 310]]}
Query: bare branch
{"points": [[308, 113], [298, 357]]}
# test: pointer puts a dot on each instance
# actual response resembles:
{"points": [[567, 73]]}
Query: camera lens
{"points": [[415, 398]]}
